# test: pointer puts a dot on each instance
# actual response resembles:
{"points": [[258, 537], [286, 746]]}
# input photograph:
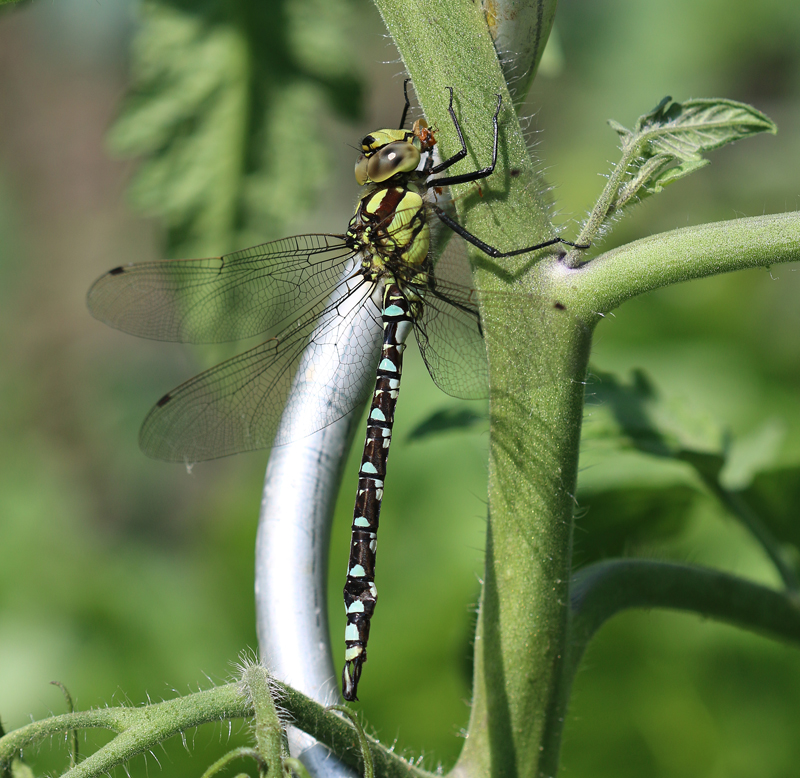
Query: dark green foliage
{"points": [[775, 495], [225, 108]]}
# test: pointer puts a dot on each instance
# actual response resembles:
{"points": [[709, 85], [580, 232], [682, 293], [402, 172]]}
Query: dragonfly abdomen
{"points": [[360, 593]]}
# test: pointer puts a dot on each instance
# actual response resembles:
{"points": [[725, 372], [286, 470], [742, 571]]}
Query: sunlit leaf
{"points": [[753, 454], [627, 505], [20, 769], [669, 142]]}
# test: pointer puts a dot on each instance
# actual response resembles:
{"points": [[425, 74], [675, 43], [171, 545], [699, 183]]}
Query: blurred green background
{"points": [[128, 579]]}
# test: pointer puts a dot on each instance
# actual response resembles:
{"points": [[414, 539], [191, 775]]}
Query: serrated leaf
{"points": [[686, 130], [668, 143], [221, 93], [659, 180]]}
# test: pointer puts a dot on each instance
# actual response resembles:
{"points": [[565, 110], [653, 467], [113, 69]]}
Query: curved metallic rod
{"points": [[300, 490]]}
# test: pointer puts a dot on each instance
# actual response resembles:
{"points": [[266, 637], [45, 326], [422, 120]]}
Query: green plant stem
{"points": [[682, 255], [140, 729], [538, 358], [605, 204], [296, 766], [601, 590], [74, 751], [268, 729], [343, 739], [536, 417], [363, 741], [237, 753]]}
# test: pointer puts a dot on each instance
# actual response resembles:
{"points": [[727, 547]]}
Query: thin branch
{"points": [[604, 589], [140, 729], [341, 737], [237, 753], [74, 751]]}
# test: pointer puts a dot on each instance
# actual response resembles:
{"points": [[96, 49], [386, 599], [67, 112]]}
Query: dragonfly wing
{"points": [[324, 358], [222, 298], [449, 333]]}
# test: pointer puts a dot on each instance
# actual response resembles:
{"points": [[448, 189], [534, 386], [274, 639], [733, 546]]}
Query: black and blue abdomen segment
{"points": [[360, 594]]}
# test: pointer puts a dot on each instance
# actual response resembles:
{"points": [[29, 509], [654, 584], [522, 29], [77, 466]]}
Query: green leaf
{"points": [[664, 177], [633, 500], [635, 415], [775, 496], [220, 93], [667, 143], [686, 130], [20, 769], [621, 521], [752, 454]]}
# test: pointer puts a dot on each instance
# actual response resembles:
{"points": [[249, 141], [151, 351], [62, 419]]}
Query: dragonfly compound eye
{"points": [[393, 158], [361, 170]]}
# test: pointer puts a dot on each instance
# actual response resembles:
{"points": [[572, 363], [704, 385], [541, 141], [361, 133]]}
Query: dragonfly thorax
{"points": [[390, 229]]}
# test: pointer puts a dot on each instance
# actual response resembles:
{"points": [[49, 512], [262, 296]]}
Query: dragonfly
{"points": [[303, 289]]}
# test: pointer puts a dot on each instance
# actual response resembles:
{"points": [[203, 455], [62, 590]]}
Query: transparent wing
{"points": [[222, 298], [237, 405], [449, 333]]}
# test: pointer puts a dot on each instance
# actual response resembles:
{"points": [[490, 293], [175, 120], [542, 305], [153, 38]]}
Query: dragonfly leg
{"points": [[464, 178], [491, 250], [406, 106]]}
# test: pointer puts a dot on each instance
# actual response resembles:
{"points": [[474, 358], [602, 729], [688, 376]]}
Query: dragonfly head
{"points": [[385, 153]]}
